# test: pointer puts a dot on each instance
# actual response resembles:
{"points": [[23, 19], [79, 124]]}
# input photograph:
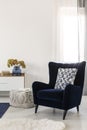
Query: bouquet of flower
{"points": [[15, 62]]}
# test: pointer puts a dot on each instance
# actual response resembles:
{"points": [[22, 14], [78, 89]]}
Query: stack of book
{"points": [[5, 73]]}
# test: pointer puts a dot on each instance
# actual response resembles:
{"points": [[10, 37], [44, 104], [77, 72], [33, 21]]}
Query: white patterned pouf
{"points": [[21, 98]]}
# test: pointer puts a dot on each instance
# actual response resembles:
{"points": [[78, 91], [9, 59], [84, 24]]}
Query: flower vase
{"points": [[16, 71]]}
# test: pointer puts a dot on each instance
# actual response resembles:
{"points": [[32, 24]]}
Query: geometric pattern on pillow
{"points": [[65, 76]]}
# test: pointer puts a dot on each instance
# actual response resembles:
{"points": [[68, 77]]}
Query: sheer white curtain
{"points": [[85, 46], [70, 31]]}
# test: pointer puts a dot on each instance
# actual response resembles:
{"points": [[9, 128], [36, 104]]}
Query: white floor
{"points": [[73, 121]]}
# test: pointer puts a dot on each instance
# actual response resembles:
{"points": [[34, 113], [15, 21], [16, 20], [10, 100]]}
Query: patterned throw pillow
{"points": [[65, 76]]}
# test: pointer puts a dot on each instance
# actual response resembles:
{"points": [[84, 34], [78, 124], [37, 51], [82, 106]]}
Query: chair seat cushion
{"points": [[50, 94]]}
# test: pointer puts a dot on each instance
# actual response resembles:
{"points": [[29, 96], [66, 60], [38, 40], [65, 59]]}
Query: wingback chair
{"points": [[45, 94]]}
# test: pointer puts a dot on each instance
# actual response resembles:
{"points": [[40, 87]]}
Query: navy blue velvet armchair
{"points": [[45, 94]]}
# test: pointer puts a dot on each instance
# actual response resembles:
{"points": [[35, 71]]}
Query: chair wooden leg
{"points": [[36, 108], [64, 114], [77, 108], [54, 110]]}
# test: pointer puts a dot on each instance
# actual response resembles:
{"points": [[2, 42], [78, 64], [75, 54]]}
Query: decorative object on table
{"points": [[3, 108], [21, 98], [16, 66], [16, 70], [5, 73]]}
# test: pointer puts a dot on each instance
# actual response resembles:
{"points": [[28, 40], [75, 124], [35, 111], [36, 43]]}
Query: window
{"points": [[71, 34]]}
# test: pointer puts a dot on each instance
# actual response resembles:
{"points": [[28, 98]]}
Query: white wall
{"points": [[26, 33]]}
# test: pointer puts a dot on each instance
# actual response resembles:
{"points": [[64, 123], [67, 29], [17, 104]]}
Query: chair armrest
{"points": [[37, 86], [72, 96]]}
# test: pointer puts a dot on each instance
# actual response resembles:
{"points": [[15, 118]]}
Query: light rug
{"points": [[30, 124]]}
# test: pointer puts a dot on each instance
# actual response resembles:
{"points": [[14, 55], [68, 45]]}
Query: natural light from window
{"points": [[72, 34]]}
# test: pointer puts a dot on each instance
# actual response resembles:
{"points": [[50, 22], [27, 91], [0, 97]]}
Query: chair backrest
{"points": [[53, 70]]}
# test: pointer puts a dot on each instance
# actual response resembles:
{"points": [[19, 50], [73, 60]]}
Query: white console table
{"points": [[7, 83]]}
